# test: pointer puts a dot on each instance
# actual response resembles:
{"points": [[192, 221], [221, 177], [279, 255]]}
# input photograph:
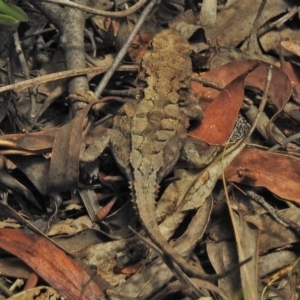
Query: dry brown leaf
{"points": [[8, 181], [235, 20], [36, 167], [64, 165], [216, 126], [140, 45], [225, 74], [293, 73], [247, 241], [40, 142], [69, 226], [14, 267], [223, 255], [272, 234], [275, 261], [278, 173], [291, 46], [51, 263]]}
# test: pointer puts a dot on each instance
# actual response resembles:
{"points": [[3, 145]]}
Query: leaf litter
{"points": [[78, 214]]}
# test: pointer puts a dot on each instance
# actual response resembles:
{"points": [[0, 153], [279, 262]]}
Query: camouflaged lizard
{"points": [[151, 137]]}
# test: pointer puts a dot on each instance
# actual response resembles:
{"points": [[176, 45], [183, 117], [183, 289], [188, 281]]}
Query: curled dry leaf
{"points": [[275, 261], [106, 262], [247, 243], [223, 255], [247, 240], [272, 234], [69, 226], [36, 167], [225, 74], [292, 71], [278, 173], [39, 142], [64, 165], [10, 182], [232, 28], [52, 264], [216, 126]]}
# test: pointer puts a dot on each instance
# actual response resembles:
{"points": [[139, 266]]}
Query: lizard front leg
{"points": [[119, 146], [117, 139]]}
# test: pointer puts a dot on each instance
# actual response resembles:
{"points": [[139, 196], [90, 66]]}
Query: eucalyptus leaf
{"points": [[10, 12], [7, 20]]}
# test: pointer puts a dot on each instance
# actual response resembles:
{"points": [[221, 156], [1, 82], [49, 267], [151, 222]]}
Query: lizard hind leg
{"points": [[120, 147], [190, 154], [96, 147]]}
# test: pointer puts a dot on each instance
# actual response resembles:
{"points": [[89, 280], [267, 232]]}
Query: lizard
{"points": [[150, 138]]}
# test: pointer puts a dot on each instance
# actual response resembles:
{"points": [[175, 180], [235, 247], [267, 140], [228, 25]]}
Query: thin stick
{"points": [[25, 71], [117, 14], [19, 86], [282, 220], [125, 48]]}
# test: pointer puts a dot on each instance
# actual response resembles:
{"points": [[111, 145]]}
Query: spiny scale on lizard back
{"points": [[159, 123], [166, 66]]}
